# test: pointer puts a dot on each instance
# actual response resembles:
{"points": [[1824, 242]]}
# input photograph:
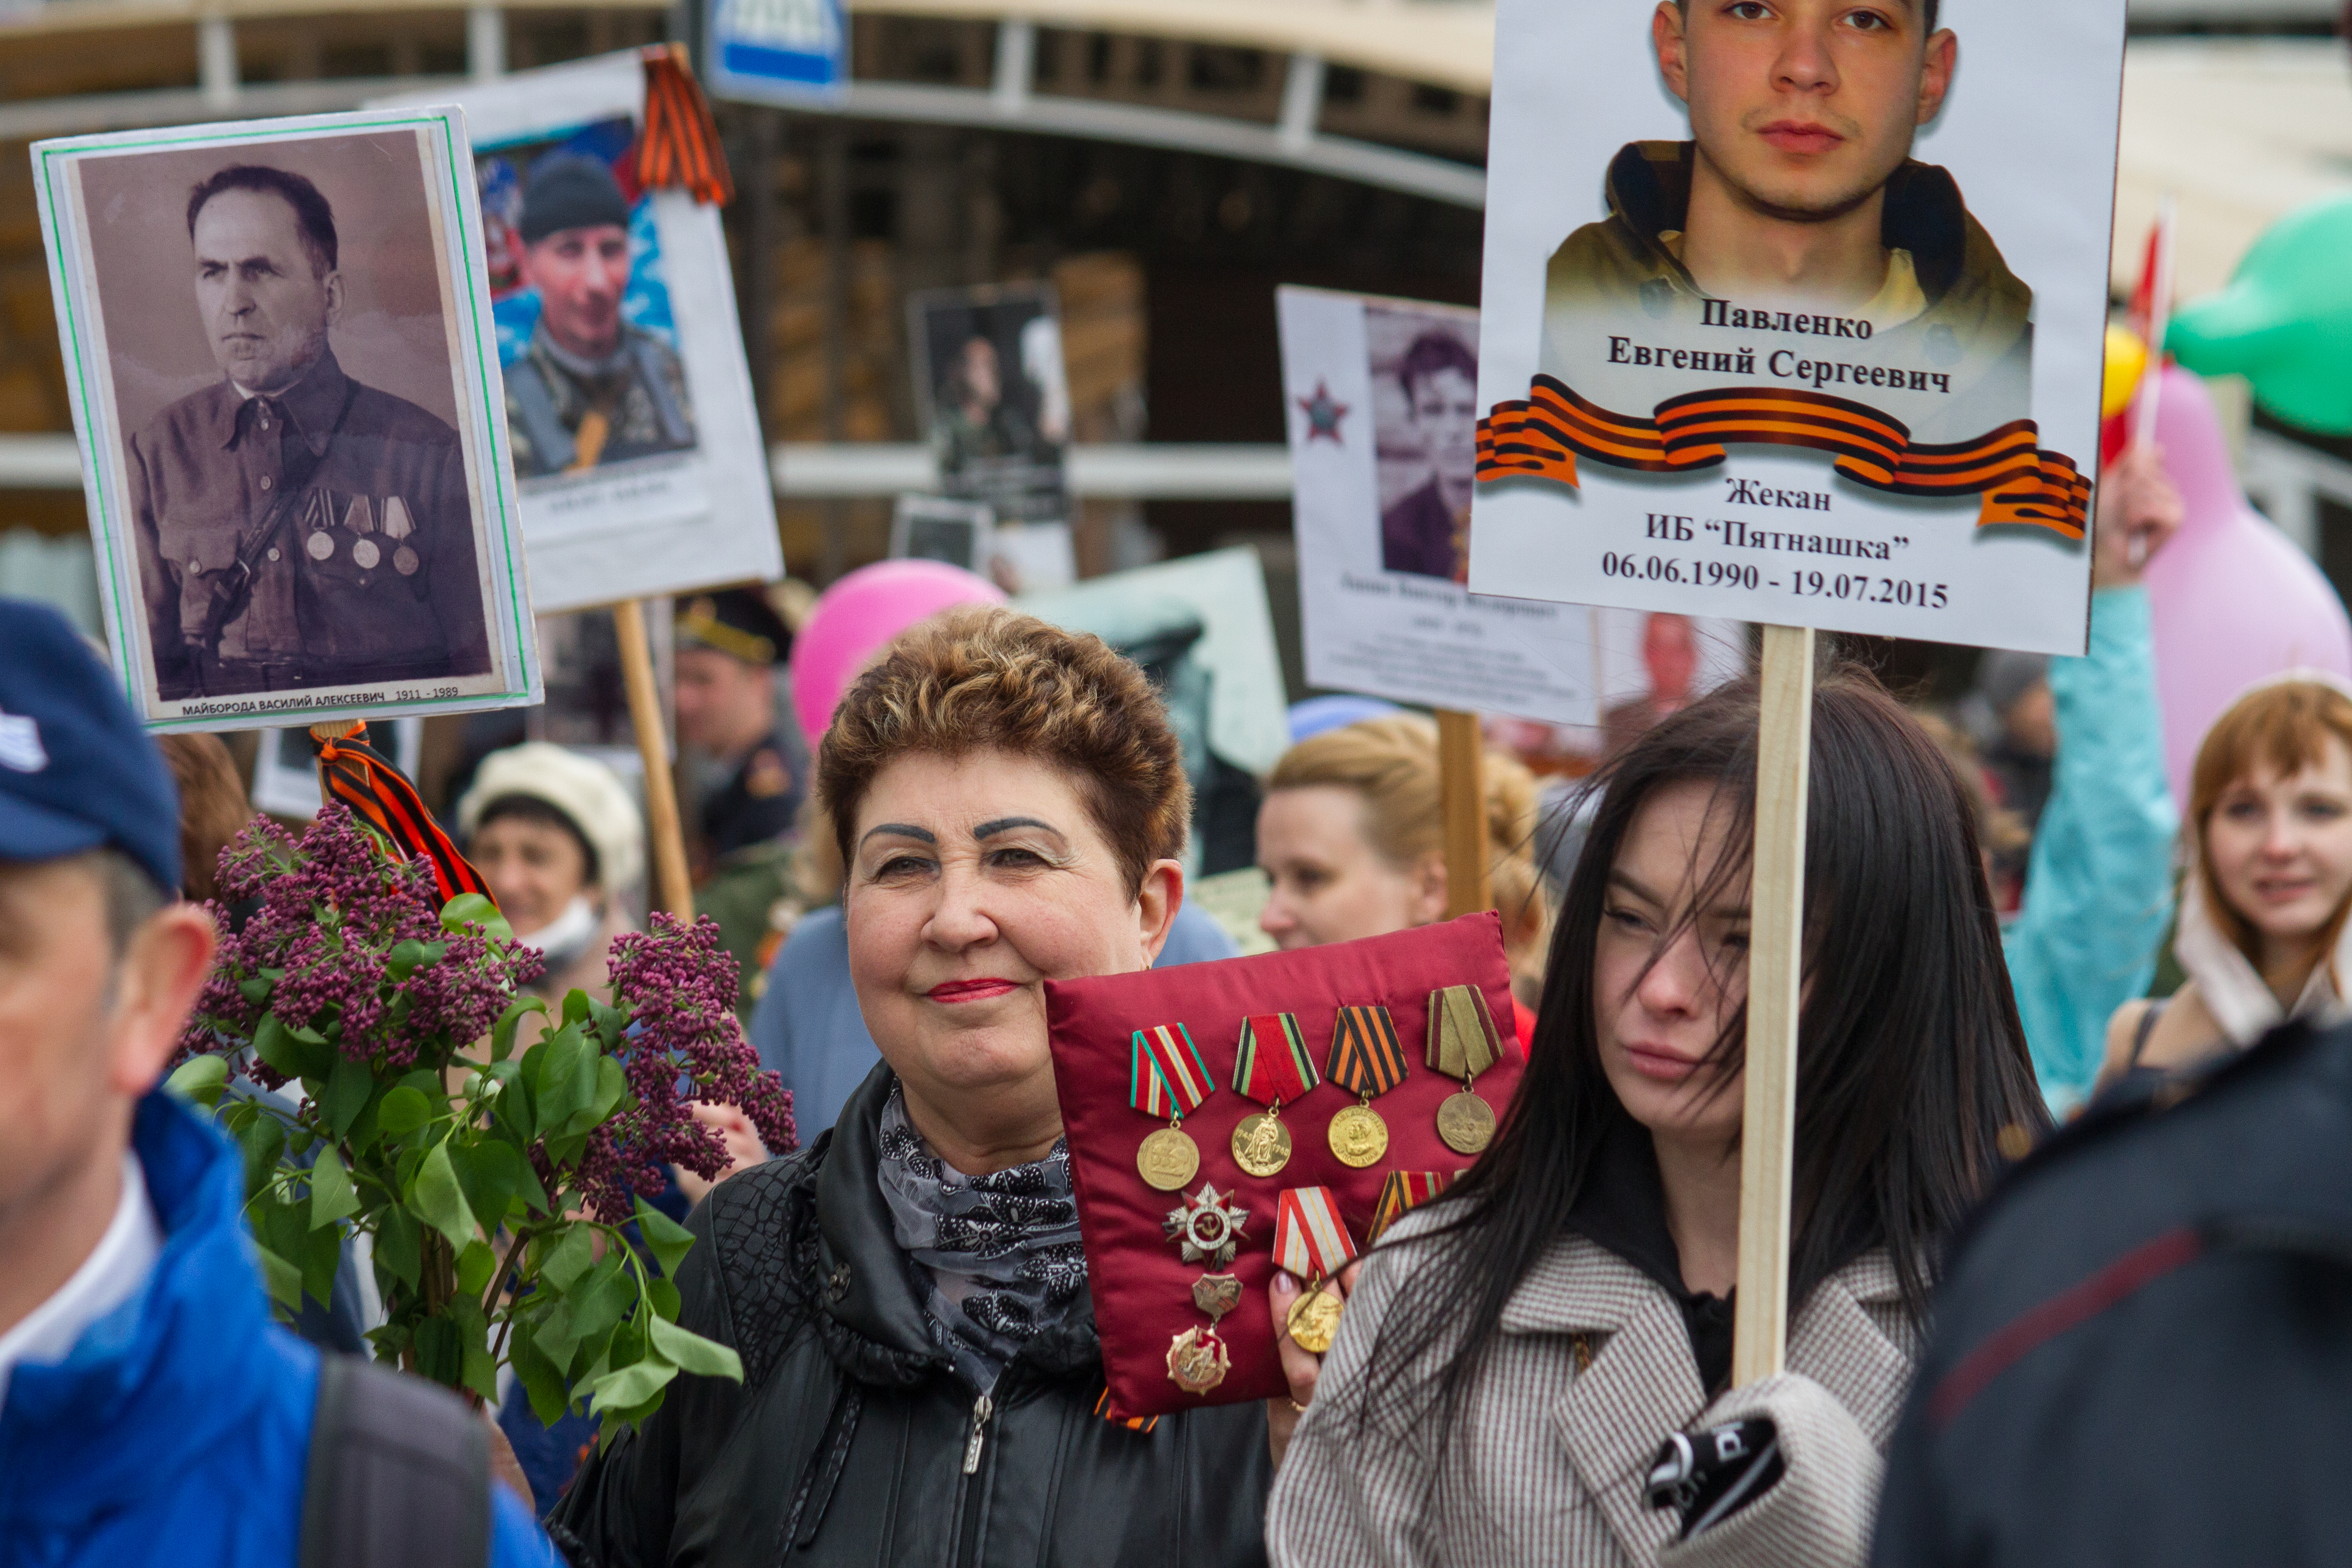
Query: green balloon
{"points": [[2285, 321]]}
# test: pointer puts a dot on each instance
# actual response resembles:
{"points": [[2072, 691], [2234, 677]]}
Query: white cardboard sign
{"points": [[1781, 353], [1380, 400], [678, 495]]}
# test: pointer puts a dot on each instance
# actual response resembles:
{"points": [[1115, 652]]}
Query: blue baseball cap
{"points": [[76, 772]]}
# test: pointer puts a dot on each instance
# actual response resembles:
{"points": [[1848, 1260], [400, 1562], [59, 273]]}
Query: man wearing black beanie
{"points": [[591, 389]]}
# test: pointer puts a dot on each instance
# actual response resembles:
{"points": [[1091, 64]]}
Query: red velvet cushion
{"points": [[1142, 1289]]}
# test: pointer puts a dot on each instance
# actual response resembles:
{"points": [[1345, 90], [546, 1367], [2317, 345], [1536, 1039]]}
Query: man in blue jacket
{"points": [[150, 1411]]}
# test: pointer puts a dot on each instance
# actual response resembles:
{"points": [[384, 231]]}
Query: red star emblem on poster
{"points": [[1324, 414]]}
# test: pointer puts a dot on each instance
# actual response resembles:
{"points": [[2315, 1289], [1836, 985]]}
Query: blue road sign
{"points": [[779, 51]]}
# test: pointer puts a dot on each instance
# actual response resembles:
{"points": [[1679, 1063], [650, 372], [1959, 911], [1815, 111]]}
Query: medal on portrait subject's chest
{"points": [[1311, 1241], [1463, 1043], [1400, 1193], [1273, 1069], [1166, 1078], [1366, 1059]]}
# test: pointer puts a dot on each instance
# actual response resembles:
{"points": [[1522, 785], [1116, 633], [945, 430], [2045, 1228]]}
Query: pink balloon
{"points": [[863, 613], [2234, 600]]}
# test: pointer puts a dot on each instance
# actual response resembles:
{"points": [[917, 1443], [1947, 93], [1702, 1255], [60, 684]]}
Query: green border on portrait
{"points": [[501, 482]]}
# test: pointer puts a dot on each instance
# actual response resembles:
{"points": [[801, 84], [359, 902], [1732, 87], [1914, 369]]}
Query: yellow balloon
{"points": [[2126, 363]]}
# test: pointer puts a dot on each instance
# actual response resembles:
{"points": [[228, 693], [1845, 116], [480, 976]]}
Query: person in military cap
{"points": [[295, 527], [729, 645], [591, 389]]}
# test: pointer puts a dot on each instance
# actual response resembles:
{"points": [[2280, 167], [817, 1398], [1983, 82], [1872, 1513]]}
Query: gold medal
{"points": [[1314, 1321], [1466, 1123], [1197, 1360], [1169, 1159], [404, 561], [1262, 1144], [1358, 1136]]}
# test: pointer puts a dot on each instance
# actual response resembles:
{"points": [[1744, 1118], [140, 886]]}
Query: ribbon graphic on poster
{"points": [[1542, 436]]}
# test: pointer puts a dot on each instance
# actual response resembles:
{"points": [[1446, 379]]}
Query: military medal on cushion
{"points": [[1207, 1226], [1207, 1229], [1274, 1070], [1463, 1043], [1366, 1059], [1311, 1241], [1165, 1077], [1402, 1192]]}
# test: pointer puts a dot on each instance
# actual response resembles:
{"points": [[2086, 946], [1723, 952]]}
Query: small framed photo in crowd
{"points": [[993, 395], [637, 450], [277, 338], [934, 527]]}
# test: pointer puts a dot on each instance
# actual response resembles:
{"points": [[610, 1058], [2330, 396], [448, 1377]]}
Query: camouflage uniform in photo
{"points": [[639, 391]]}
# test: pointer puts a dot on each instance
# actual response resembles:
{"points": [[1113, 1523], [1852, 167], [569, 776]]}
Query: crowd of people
{"points": [[994, 803]]}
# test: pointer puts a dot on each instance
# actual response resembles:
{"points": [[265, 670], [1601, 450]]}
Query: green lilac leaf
{"points": [[198, 1081], [570, 1259], [332, 1195], [541, 1379], [666, 1239], [403, 1112], [631, 1386], [441, 1201], [689, 1352], [282, 1279], [348, 1088]]}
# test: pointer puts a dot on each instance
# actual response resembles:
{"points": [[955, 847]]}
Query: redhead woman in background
{"points": [[2261, 935]]}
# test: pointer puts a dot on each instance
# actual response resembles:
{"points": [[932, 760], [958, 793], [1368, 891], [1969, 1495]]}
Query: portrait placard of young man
{"points": [[1794, 213]]}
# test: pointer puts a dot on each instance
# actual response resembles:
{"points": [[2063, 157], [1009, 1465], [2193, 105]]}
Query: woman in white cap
{"points": [[558, 839]]}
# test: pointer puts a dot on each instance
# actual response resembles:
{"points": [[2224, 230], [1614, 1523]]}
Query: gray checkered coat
{"points": [[1591, 1370]]}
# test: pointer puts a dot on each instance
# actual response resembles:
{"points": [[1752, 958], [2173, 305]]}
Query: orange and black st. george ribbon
{"points": [[381, 795], [679, 147], [1366, 1057], [2019, 482]]}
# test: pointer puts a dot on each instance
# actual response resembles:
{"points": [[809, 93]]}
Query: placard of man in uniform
{"points": [[1797, 193], [1426, 530], [591, 389], [295, 527]]}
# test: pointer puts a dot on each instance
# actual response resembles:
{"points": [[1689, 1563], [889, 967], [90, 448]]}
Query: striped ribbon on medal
{"points": [[1463, 1041], [1402, 1192], [1274, 1067], [1165, 1075], [1310, 1239], [1367, 1057]]}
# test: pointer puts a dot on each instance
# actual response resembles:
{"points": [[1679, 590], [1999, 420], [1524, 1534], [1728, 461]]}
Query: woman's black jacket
{"points": [[851, 1441]]}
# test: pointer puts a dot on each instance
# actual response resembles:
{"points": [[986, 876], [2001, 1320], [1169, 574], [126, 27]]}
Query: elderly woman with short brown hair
{"points": [[921, 1375]]}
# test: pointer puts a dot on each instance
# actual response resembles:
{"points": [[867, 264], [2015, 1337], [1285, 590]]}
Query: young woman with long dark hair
{"points": [[1516, 1352]]}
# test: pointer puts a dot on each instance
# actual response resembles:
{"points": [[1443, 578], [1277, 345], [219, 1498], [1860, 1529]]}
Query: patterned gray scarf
{"points": [[996, 1256]]}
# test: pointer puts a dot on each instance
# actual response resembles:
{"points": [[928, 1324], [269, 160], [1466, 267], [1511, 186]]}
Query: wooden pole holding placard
{"points": [[1775, 954], [673, 890], [1461, 789]]}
